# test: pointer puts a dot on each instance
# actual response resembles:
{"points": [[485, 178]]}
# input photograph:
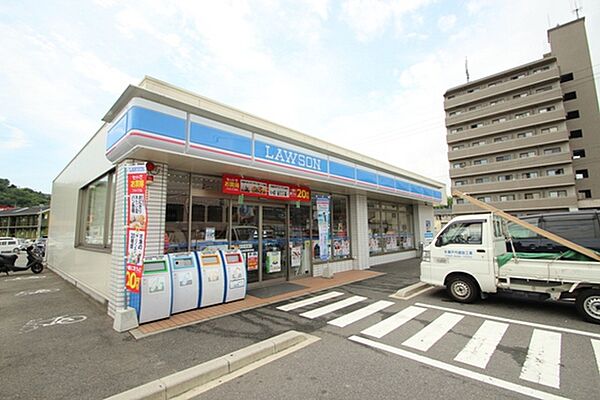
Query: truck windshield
{"points": [[466, 232]]}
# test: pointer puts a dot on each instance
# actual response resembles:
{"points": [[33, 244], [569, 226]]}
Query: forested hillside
{"points": [[10, 195]]}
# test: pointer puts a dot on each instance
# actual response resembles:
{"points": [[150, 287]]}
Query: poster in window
{"points": [[296, 256], [341, 247], [210, 234], [252, 260], [273, 262], [322, 203]]}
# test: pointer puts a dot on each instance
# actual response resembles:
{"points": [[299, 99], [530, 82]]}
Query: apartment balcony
{"points": [[529, 80], [510, 125], [543, 182], [514, 144], [537, 205], [507, 106], [503, 166]]}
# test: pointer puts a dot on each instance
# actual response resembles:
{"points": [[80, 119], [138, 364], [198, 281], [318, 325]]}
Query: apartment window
{"points": [[522, 115], [479, 143], [577, 154], [517, 96], [494, 83], [540, 69], [497, 101], [577, 133], [532, 196], [546, 109], [95, 219], [527, 154], [485, 199], [473, 108], [477, 125], [552, 150], [458, 147], [581, 174], [570, 96], [555, 171], [557, 193], [505, 157], [455, 130], [482, 161], [450, 97], [459, 165], [473, 90], [573, 114], [529, 175], [549, 130], [453, 113], [507, 197], [482, 180], [501, 139], [503, 178], [498, 120], [523, 135], [584, 194], [543, 89], [460, 183], [566, 77], [519, 76]]}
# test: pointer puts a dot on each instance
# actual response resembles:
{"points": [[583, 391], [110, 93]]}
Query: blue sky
{"points": [[366, 75]]}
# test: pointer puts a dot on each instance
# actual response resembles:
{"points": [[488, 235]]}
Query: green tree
{"points": [[11, 195]]}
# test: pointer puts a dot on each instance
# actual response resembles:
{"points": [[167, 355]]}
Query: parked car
{"points": [[581, 227], [9, 245]]}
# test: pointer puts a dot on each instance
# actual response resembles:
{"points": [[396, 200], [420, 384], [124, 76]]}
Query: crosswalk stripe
{"points": [[480, 348], [307, 302], [359, 314], [318, 312], [384, 327], [596, 346], [428, 336], [542, 364]]}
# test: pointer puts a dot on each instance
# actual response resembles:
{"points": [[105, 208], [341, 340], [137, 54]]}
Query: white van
{"points": [[9, 245]]}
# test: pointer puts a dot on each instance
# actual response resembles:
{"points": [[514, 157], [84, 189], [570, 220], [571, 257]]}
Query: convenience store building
{"points": [[222, 178]]}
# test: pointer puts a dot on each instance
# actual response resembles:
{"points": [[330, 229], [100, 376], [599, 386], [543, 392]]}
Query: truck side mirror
{"points": [[439, 242]]}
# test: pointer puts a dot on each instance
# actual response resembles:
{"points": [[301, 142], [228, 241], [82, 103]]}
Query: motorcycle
{"points": [[34, 261]]}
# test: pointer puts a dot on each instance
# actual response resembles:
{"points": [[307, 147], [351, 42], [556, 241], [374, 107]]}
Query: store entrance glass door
{"points": [[274, 242], [244, 235], [300, 248]]}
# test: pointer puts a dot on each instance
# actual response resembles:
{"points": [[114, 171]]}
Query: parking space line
{"points": [[384, 327], [596, 347], [309, 301], [318, 312], [524, 390], [482, 345], [361, 313], [542, 364], [428, 336], [513, 321]]}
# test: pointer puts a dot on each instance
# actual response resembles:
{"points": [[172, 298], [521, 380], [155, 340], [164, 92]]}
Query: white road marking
{"points": [[542, 364], [318, 312], [361, 313], [480, 348], [384, 327], [307, 302], [428, 336], [596, 346], [513, 321], [524, 390]]}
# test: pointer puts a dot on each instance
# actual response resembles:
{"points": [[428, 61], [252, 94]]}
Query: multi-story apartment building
{"points": [[527, 139], [25, 223]]}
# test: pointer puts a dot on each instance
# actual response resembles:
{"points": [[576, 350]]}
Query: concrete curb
{"points": [[180, 382], [412, 290]]}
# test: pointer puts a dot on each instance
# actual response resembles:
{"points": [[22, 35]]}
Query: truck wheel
{"points": [[462, 288], [588, 305]]}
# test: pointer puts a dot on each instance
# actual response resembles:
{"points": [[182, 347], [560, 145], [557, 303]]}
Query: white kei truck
{"points": [[469, 257]]}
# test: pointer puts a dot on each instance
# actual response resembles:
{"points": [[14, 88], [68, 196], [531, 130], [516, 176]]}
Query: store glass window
{"points": [[390, 227], [177, 212], [339, 237], [97, 201], [210, 214]]}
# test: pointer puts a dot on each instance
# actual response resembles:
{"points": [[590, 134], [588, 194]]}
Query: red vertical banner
{"points": [[136, 217]]}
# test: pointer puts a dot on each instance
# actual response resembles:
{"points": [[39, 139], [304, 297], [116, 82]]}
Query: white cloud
{"points": [[446, 22], [11, 137], [107, 77]]}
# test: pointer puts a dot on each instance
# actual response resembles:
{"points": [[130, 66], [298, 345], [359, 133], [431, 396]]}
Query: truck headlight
{"points": [[426, 256]]}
